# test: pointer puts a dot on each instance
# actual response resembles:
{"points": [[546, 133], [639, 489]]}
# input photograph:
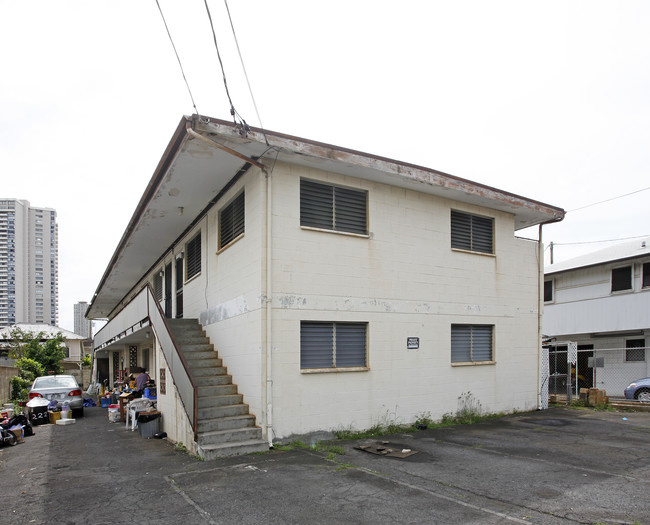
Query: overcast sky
{"points": [[548, 99]]}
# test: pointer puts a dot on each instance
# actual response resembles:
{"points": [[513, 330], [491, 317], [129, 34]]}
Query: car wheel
{"points": [[643, 396], [77, 413]]}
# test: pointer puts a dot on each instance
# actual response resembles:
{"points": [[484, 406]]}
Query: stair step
{"points": [[230, 436], [220, 401], [223, 379], [233, 449], [222, 411], [226, 423], [192, 348], [206, 362], [216, 390], [208, 372]]}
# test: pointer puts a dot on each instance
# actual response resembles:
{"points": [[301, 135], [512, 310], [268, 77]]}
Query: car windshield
{"points": [[53, 382]]}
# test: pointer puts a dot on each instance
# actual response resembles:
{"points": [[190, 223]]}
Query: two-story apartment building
{"points": [[339, 289], [601, 301]]}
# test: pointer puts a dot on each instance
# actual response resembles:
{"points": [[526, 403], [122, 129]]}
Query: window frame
{"points": [[343, 206], [337, 337], [234, 208], [645, 278], [552, 297], [472, 244], [472, 327], [192, 251], [632, 347], [616, 280]]}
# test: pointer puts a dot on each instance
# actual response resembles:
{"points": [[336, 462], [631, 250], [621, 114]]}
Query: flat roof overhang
{"points": [[193, 171]]}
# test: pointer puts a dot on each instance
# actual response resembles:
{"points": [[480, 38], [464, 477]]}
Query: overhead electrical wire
{"points": [[608, 200], [241, 59], [233, 112], [177, 58], [598, 242]]}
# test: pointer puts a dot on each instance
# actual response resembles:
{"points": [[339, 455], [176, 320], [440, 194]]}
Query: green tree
{"points": [[35, 355], [48, 351], [28, 370]]}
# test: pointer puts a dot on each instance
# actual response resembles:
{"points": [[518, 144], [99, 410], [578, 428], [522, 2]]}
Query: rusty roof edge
{"points": [[149, 192], [407, 171]]}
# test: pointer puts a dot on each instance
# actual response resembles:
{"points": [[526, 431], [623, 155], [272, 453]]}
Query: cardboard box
{"points": [[54, 417], [19, 435]]}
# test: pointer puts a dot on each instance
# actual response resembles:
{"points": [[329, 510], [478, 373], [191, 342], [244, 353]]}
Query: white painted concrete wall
{"points": [[403, 279]]}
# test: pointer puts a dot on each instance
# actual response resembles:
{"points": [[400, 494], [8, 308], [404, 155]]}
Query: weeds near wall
{"points": [[469, 409]]}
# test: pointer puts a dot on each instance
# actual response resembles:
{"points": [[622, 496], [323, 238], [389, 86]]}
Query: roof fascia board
{"points": [[600, 263]]}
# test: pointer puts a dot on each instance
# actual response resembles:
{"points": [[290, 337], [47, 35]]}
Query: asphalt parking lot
{"points": [[555, 466]]}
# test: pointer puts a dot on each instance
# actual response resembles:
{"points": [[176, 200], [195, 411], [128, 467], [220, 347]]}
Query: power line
{"points": [[233, 111], [241, 59], [598, 242], [177, 58], [608, 200]]}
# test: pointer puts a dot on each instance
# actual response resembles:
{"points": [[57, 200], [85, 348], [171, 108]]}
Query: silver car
{"points": [[61, 389]]}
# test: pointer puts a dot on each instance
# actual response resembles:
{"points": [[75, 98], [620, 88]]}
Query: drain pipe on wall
{"points": [[540, 312], [267, 387]]}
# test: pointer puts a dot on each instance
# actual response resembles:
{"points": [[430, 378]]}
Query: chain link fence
{"points": [[608, 369]]}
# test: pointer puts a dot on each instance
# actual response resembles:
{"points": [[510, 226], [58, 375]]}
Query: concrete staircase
{"points": [[225, 427]]}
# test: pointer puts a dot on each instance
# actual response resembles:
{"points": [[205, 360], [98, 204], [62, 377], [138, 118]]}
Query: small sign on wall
{"points": [[412, 343], [162, 387]]}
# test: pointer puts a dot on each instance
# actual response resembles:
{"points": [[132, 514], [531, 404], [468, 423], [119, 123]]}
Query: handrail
{"points": [[146, 311], [185, 385]]}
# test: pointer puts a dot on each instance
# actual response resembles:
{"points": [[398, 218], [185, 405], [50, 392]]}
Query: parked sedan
{"points": [[60, 389], [639, 390]]}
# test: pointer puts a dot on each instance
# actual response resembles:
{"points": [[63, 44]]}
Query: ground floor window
{"points": [[471, 343], [635, 350], [333, 344]]}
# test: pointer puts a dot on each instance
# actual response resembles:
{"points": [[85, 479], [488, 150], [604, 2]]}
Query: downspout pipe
{"points": [[268, 371], [540, 313]]}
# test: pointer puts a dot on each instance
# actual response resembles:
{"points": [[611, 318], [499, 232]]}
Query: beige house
{"points": [[74, 349], [320, 288]]}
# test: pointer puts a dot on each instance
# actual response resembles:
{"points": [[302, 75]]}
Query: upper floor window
{"points": [[333, 207], [231, 221], [158, 285], [193, 257], [472, 232], [471, 343], [646, 275], [621, 278], [548, 291]]}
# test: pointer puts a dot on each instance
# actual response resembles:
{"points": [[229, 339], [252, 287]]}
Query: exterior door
{"points": [[168, 291], [179, 287]]}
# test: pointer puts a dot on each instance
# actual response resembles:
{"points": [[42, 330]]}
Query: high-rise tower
{"points": [[29, 257]]}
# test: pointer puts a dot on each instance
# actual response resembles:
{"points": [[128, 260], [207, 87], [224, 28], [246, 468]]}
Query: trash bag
{"points": [[89, 403], [38, 402], [145, 417]]}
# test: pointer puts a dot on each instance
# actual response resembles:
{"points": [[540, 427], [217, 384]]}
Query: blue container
{"points": [[105, 402], [150, 393]]}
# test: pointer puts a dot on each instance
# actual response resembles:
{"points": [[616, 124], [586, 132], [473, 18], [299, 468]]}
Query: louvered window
{"points": [[472, 232], [333, 207], [646, 275], [332, 345], [471, 343], [193, 256], [158, 285], [622, 279], [231, 221]]}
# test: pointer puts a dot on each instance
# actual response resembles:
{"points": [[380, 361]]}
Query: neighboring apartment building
{"points": [[340, 289], [28, 264], [601, 301], [82, 326]]}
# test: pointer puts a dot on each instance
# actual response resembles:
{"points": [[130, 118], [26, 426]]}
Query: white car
{"points": [[61, 389]]}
